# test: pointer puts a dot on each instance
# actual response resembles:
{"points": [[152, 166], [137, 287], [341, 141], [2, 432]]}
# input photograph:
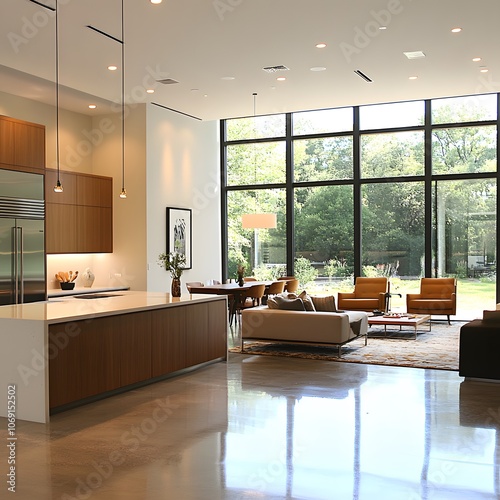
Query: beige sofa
{"points": [[307, 327]]}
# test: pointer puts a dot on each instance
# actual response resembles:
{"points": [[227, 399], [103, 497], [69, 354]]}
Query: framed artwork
{"points": [[179, 232]]}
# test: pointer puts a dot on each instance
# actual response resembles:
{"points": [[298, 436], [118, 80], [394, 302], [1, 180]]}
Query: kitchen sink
{"points": [[96, 295]]}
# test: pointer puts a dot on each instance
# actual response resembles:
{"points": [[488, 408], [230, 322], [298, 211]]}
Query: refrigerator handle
{"points": [[15, 257], [21, 260]]}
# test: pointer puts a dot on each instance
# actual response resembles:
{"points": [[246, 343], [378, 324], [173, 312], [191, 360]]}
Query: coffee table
{"points": [[407, 320]]}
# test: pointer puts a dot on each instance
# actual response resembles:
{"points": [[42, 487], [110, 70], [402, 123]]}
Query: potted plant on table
{"points": [[173, 262], [240, 274]]}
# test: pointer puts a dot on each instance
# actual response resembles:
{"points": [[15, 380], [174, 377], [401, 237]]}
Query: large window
{"points": [[372, 190]]}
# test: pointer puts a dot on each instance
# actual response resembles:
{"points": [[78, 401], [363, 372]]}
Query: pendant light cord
{"points": [[57, 93], [123, 99]]}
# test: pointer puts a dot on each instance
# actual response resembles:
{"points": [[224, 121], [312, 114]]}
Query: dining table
{"points": [[233, 291]]}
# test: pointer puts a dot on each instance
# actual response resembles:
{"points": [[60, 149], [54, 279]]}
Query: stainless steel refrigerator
{"points": [[22, 238]]}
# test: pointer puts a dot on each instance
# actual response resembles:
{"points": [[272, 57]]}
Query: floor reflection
{"points": [[260, 427]]}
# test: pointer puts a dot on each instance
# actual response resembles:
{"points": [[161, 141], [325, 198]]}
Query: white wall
{"points": [[183, 172], [171, 160]]}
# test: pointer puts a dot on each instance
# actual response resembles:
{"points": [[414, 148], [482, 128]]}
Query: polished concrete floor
{"points": [[260, 427]]}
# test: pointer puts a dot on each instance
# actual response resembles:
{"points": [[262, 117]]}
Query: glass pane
{"points": [[261, 251], [255, 127], [323, 159], [256, 163], [323, 121], [464, 150], [399, 114], [391, 155], [324, 235], [464, 241], [393, 229], [464, 109]]}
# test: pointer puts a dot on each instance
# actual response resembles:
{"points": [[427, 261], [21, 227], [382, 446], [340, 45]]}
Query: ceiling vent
{"points": [[417, 54], [274, 69], [167, 81]]}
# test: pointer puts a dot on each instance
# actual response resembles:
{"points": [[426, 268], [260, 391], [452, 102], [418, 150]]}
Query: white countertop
{"points": [[63, 309]]}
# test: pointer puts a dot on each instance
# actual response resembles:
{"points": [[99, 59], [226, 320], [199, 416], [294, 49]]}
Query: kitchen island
{"points": [[70, 351]]}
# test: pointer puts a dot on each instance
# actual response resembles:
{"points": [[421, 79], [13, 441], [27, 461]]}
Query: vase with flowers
{"points": [[240, 274], [173, 262]]}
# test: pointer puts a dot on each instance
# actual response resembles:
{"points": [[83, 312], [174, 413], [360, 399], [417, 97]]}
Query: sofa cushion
{"points": [[271, 303], [308, 303], [290, 304], [491, 316], [324, 304]]}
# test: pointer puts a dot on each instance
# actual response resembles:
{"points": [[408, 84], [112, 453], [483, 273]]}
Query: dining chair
{"points": [[273, 289], [249, 278], [292, 285], [193, 284], [250, 298]]}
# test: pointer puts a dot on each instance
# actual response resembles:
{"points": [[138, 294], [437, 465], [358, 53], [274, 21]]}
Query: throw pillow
{"points": [[308, 303], [325, 304], [290, 304], [271, 303]]}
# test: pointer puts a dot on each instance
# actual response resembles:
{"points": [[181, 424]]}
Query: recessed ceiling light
{"points": [[321, 45], [112, 67], [484, 70], [92, 106], [155, 1], [205, 95], [228, 78], [382, 27], [318, 68], [416, 54], [456, 30], [150, 91], [412, 77], [281, 78], [476, 59]]}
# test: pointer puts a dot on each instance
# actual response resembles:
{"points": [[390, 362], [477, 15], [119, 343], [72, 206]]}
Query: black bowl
{"points": [[67, 285]]}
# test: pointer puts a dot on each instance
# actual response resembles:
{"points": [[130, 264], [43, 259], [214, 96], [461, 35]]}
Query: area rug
{"points": [[437, 349]]}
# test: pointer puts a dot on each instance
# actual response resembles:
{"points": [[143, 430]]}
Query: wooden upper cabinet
{"points": [[94, 191], [80, 219], [6, 141], [22, 145]]}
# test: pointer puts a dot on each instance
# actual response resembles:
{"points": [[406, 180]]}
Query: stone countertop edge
{"points": [[71, 309]]}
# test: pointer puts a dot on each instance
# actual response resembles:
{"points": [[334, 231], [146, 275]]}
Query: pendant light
{"points": [[123, 193], [258, 220], [58, 188]]}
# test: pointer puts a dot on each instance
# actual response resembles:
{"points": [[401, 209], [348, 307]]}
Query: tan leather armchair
{"points": [[437, 296], [369, 294]]}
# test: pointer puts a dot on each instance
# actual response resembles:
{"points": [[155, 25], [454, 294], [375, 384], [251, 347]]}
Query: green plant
{"points": [[269, 273], [337, 268], [304, 271], [173, 262]]}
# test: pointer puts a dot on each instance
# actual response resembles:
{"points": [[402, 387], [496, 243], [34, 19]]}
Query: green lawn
{"points": [[473, 295]]}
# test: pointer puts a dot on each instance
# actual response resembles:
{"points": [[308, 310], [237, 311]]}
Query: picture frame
{"points": [[179, 232]]}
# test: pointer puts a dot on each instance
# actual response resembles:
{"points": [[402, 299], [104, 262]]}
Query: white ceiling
{"points": [[200, 42]]}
